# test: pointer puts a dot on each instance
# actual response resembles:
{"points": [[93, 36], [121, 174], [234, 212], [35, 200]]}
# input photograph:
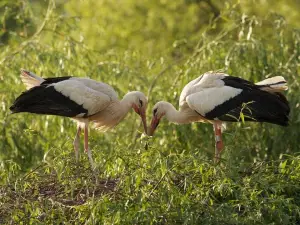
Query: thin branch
{"points": [[50, 8], [153, 83]]}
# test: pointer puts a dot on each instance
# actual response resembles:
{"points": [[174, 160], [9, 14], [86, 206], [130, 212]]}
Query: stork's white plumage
{"points": [[82, 99], [218, 97]]}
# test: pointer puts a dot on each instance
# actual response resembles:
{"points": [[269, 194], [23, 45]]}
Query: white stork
{"points": [[84, 100], [218, 97]]}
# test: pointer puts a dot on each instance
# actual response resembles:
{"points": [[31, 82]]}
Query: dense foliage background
{"points": [[155, 46]]}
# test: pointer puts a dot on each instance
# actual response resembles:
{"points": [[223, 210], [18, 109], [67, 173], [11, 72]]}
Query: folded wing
{"points": [[238, 98], [70, 98]]}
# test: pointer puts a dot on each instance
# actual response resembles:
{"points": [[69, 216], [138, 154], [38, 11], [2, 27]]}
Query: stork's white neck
{"points": [[113, 114], [179, 117], [127, 102]]}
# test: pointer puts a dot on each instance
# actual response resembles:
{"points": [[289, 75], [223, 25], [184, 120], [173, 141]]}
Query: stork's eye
{"points": [[154, 111], [141, 102]]}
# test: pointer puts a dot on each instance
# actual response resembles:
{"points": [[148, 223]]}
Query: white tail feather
{"points": [[30, 79], [273, 84]]}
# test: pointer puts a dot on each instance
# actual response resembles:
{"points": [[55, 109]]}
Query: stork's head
{"points": [[139, 104], [159, 110]]}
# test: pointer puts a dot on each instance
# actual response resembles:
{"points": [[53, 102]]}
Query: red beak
{"points": [[153, 126], [142, 114], [144, 121], [136, 109]]}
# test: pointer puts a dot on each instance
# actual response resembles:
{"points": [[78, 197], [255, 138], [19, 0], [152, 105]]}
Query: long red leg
{"points": [[218, 138], [76, 143], [86, 144]]}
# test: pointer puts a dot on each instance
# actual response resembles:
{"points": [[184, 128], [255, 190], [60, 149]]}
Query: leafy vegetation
{"points": [[156, 47]]}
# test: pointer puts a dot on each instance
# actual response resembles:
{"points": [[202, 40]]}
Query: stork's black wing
{"points": [[45, 99], [248, 100]]}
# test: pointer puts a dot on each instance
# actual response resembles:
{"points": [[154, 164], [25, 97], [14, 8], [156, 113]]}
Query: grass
{"points": [[169, 189], [155, 47]]}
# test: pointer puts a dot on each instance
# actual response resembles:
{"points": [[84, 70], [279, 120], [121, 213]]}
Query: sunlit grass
{"points": [[166, 188]]}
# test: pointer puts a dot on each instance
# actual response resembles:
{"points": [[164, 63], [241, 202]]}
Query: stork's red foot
{"points": [[219, 148]]}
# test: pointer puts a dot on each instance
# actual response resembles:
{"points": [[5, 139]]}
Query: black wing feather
{"points": [[45, 99], [255, 104]]}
